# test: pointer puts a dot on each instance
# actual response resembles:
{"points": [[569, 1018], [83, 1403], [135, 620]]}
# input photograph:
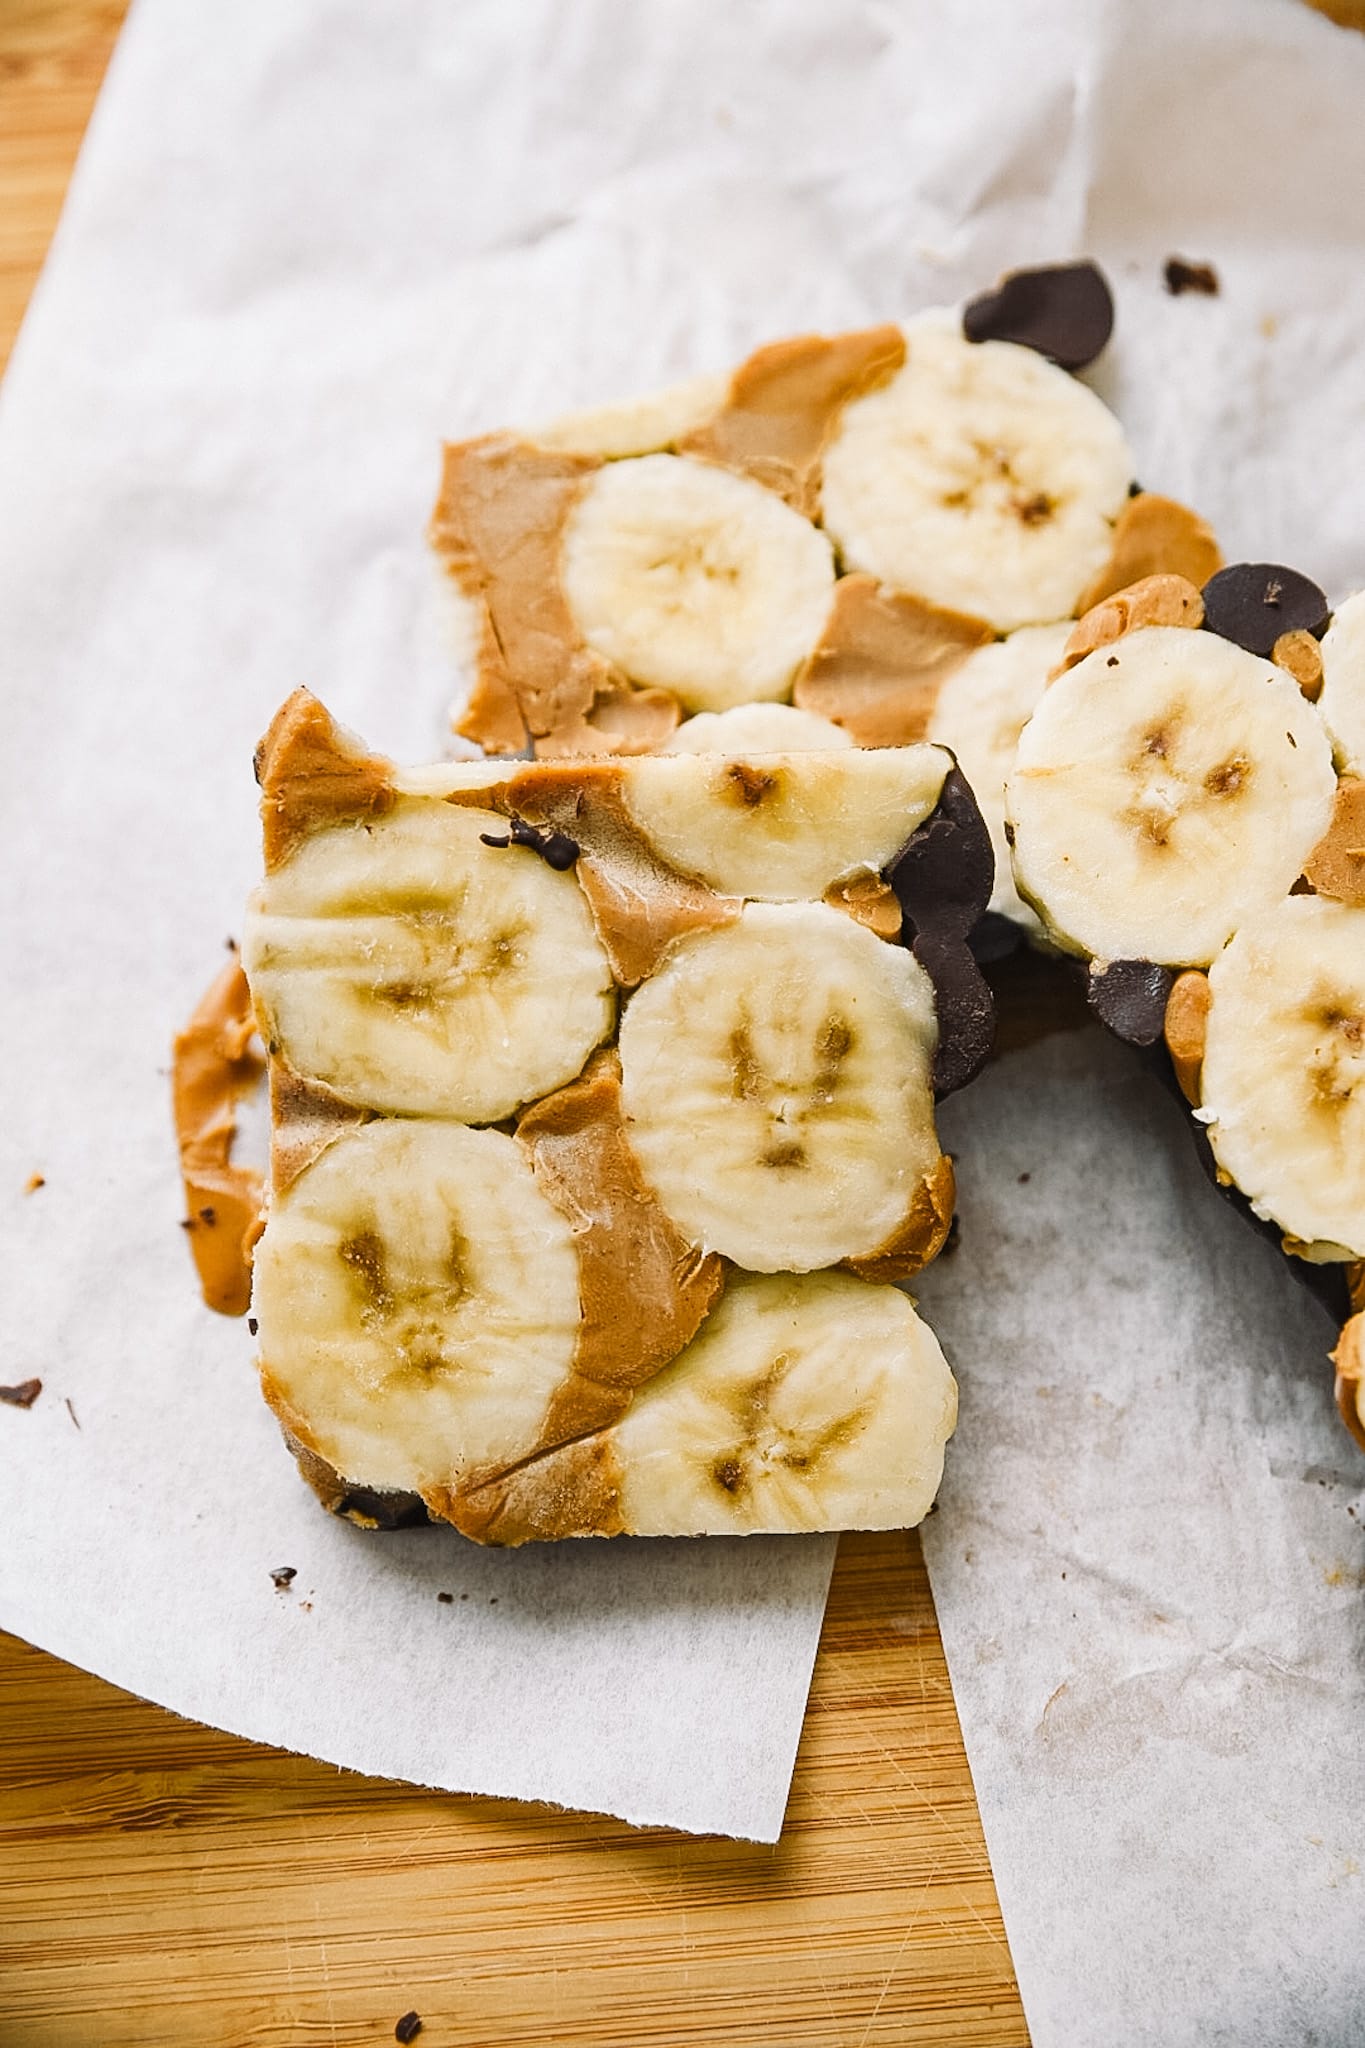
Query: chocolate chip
{"points": [[22, 1396], [1130, 997], [556, 849], [409, 2027], [1253, 603], [1064, 310], [1183, 277], [283, 1576], [943, 877]]}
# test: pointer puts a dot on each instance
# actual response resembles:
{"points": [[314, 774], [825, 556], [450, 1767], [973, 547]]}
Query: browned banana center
{"points": [[764, 1443], [1167, 789], [1337, 1066], [785, 1101]]}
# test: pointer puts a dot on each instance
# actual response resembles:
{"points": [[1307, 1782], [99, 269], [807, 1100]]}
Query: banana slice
{"points": [[783, 827], [981, 477], [685, 576], [981, 710], [415, 970], [1166, 790], [418, 1304], [637, 426], [1342, 703], [1282, 1083], [811, 1403], [756, 729], [776, 1082]]}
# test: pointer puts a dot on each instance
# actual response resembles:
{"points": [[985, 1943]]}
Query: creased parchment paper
{"points": [[303, 245]]}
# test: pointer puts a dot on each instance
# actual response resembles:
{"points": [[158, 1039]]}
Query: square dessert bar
{"points": [[602, 1127]]}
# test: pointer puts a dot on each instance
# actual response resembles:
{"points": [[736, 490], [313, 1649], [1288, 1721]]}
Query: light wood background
{"points": [[162, 1883]]}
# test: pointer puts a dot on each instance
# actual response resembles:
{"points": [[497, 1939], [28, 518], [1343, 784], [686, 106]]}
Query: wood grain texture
{"points": [[161, 1882]]}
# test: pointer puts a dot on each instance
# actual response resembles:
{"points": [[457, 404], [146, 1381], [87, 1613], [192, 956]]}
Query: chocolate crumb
{"points": [[1024, 1178], [22, 1396], [1064, 311], [231, 944], [409, 2027], [283, 1576], [556, 849], [33, 1183], [1184, 277], [446, 1599], [252, 1325], [1112, 662], [209, 1216], [71, 1411], [188, 1223]]}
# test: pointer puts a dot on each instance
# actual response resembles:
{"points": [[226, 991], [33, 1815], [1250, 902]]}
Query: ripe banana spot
{"points": [[750, 785], [1229, 777], [1035, 509]]}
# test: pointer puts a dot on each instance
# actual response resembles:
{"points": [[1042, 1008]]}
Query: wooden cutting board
{"points": [[163, 1883]]}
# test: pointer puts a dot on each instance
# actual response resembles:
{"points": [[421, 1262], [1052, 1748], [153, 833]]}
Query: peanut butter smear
{"points": [[1336, 866], [313, 775], [213, 1067], [1155, 536], [784, 403], [645, 1289], [498, 524], [882, 660]]}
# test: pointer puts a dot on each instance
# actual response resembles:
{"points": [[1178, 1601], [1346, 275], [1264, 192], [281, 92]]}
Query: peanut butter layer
{"points": [[305, 1116], [572, 1490], [882, 660], [1155, 536], [213, 1068], [1336, 866], [312, 775], [784, 403], [644, 1288], [497, 527]]}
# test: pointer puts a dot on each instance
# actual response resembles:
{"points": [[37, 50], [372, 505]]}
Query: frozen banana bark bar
{"points": [[603, 1125], [884, 531], [1178, 821]]}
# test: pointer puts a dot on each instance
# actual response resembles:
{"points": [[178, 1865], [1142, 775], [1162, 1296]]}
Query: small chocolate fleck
{"points": [[1112, 662], [1024, 1179], [209, 1216], [33, 1183], [446, 1599], [230, 943], [252, 1325], [71, 1411], [556, 849], [1181, 277], [283, 1576], [1130, 997], [1253, 603], [22, 1396], [188, 1223], [409, 2027], [1064, 311]]}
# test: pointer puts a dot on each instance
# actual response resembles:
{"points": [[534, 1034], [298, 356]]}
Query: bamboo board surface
{"points": [[161, 1882]]}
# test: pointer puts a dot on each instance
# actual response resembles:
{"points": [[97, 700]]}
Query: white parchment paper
{"points": [[303, 245]]}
